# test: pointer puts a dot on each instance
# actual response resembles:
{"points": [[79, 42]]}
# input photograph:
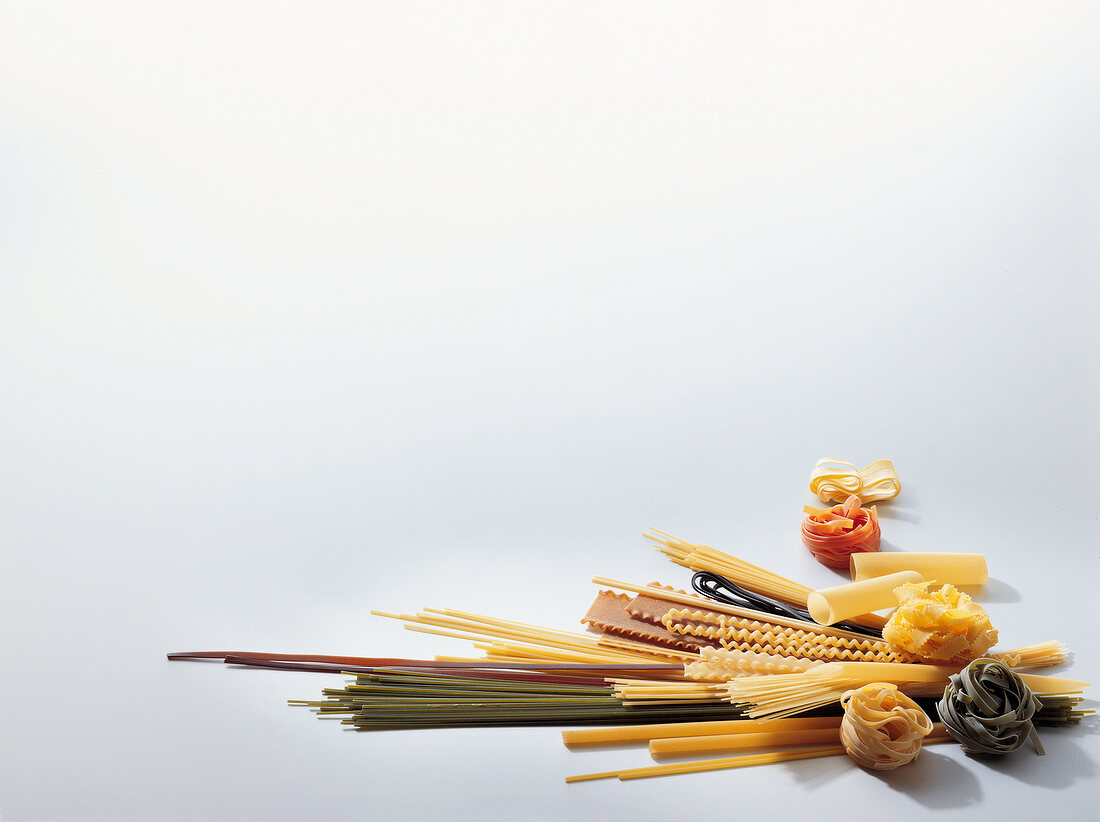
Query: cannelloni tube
{"points": [[837, 604], [953, 569]]}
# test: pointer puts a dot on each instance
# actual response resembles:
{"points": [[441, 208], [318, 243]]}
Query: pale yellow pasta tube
{"points": [[832, 605], [954, 569]]}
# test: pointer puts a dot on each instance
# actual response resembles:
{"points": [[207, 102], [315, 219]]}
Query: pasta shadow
{"points": [[1060, 768], [887, 547], [994, 590], [889, 512], [934, 781]]}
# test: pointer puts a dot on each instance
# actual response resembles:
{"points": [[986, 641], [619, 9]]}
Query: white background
{"points": [[309, 309]]}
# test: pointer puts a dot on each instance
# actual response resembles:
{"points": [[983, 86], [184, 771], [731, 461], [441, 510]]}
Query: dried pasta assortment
{"points": [[749, 664]]}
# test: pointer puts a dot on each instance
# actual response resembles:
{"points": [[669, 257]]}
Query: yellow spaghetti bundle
{"points": [[699, 557], [1033, 656]]}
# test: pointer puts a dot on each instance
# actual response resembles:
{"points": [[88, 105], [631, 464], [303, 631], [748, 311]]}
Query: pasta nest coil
{"points": [[833, 535], [988, 709], [882, 728]]}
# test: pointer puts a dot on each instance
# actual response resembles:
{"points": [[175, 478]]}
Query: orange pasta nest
{"points": [[834, 534], [943, 626]]}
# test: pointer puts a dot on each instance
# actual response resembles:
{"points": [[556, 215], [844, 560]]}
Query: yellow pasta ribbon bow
{"points": [[834, 479]]}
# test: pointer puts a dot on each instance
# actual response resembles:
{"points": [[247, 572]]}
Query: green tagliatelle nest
{"points": [[988, 709], [944, 625]]}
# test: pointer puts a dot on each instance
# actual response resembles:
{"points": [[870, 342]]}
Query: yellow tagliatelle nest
{"points": [[882, 728], [943, 625]]}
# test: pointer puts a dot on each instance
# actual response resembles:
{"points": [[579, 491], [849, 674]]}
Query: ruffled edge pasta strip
{"points": [[609, 614], [721, 665], [736, 634]]}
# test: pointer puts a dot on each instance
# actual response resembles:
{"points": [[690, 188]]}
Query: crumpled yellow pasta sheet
{"points": [[943, 626], [836, 480]]}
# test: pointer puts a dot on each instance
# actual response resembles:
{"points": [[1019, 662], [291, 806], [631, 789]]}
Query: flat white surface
{"points": [[309, 309]]}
